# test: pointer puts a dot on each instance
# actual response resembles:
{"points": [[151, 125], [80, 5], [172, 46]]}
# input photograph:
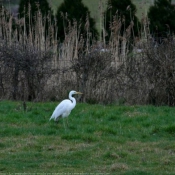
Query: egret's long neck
{"points": [[73, 100]]}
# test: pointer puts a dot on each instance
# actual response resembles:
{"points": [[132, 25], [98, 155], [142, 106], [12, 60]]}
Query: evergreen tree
{"points": [[32, 6], [75, 10], [162, 18], [125, 10]]}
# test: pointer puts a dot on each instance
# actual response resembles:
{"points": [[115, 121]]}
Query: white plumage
{"points": [[65, 107]]}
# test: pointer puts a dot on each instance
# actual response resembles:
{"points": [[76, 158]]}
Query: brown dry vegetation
{"points": [[38, 67]]}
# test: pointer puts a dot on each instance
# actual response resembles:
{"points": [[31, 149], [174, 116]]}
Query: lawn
{"points": [[113, 139]]}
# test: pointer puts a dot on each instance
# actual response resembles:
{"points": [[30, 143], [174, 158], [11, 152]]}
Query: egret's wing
{"points": [[60, 109]]}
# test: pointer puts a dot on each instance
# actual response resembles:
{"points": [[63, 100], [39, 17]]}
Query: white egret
{"points": [[64, 108]]}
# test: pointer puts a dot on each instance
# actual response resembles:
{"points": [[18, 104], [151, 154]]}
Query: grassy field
{"points": [[113, 139]]}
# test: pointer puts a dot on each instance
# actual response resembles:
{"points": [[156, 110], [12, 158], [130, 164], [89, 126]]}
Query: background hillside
{"points": [[142, 5], [94, 7]]}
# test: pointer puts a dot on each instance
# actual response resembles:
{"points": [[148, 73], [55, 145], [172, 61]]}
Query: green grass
{"points": [[112, 139]]}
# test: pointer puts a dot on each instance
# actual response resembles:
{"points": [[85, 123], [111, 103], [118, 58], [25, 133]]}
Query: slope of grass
{"points": [[100, 139]]}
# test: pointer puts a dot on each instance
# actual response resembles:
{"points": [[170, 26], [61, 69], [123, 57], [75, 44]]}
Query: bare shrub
{"points": [[24, 71], [94, 71], [26, 61], [161, 73], [149, 75]]}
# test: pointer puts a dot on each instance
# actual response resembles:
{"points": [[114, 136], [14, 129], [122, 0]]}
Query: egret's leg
{"points": [[64, 124], [57, 120], [67, 122]]}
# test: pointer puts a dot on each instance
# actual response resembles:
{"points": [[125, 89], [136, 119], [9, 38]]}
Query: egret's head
{"points": [[74, 92]]}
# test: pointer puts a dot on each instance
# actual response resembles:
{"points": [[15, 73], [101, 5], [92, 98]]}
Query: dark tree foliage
{"points": [[162, 18], [124, 10], [75, 10], [32, 6]]}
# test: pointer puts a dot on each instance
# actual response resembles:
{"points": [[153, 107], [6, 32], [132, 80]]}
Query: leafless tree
{"points": [[24, 70]]}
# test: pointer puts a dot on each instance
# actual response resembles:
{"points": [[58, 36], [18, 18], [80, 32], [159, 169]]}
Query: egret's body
{"points": [[65, 107]]}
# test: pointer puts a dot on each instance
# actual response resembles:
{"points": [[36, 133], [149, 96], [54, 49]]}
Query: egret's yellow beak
{"points": [[79, 93]]}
